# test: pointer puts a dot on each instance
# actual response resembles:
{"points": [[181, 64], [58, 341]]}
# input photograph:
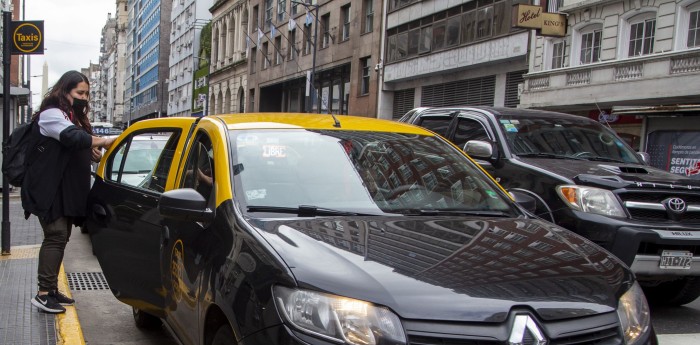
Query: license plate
{"points": [[676, 260]]}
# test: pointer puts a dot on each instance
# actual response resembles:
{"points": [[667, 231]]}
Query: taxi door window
{"points": [[143, 160], [199, 170]]}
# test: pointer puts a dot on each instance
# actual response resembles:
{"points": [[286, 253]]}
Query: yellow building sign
{"points": [[533, 17]]}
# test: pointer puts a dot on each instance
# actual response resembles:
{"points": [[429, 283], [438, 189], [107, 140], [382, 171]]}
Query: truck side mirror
{"points": [[525, 201], [478, 149], [644, 156]]}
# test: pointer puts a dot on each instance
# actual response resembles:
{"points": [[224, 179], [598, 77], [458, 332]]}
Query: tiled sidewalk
{"points": [[20, 322]]}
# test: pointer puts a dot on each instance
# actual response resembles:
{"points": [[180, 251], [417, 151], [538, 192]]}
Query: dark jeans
{"points": [[56, 236]]}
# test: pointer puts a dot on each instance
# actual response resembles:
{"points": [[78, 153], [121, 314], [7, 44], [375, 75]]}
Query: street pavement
{"points": [[99, 318]]}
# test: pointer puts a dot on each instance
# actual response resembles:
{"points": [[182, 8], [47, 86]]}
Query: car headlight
{"points": [[591, 200], [337, 318], [633, 312]]}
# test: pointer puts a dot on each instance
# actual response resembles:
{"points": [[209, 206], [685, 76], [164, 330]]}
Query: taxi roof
{"points": [[315, 121]]}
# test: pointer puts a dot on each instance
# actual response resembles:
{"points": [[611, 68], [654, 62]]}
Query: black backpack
{"points": [[18, 152]]}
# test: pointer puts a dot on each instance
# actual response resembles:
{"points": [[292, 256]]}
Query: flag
{"points": [[308, 19], [260, 36], [273, 29], [247, 43], [292, 24]]}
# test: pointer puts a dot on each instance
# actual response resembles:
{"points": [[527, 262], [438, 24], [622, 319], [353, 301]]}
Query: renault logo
{"points": [[675, 205], [525, 332]]}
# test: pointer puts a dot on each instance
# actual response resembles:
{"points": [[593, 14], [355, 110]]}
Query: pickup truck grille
{"points": [[654, 206]]}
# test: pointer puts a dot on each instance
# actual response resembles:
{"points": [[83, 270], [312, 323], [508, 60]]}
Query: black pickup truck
{"points": [[587, 179]]}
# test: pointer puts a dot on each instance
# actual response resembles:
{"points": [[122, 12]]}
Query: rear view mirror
{"points": [[478, 149], [185, 204]]}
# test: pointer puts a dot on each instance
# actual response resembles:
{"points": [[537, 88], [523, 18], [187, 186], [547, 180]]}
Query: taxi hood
{"points": [[610, 174], [448, 268]]}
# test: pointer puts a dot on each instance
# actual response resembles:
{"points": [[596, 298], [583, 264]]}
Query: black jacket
{"points": [[57, 181]]}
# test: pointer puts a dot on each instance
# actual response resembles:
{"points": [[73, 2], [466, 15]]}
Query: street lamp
{"points": [[309, 104]]}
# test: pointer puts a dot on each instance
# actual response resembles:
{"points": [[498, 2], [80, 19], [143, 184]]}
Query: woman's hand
{"points": [[96, 154]]}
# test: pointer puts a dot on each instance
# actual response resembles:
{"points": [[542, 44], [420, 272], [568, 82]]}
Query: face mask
{"points": [[79, 105]]}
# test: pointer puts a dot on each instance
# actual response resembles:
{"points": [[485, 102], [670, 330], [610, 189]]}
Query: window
{"points": [[364, 81], [278, 54], [295, 8], [266, 60], [143, 161], [694, 29], [251, 96], [281, 7], [345, 15], [199, 169], [325, 26], [637, 31], [590, 45], [268, 13], [253, 60], [642, 37], [687, 35], [291, 45], [368, 10], [558, 49], [255, 18], [308, 44]]}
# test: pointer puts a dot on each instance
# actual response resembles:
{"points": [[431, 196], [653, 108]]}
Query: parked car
{"points": [[315, 229], [588, 180]]}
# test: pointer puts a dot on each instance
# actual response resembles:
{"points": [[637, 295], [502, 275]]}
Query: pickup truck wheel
{"points": [[223, 336], [145, 320], [673, 293]]}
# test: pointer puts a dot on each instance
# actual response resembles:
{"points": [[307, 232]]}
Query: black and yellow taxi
{"points": [[281, 228]]}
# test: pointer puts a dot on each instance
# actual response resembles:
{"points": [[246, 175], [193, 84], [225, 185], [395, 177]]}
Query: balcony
{"points": [[669, 78]]}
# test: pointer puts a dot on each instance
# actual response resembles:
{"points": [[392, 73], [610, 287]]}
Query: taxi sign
{"points": [[27, 37]]}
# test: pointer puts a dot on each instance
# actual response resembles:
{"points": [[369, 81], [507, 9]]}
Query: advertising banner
{"points": [[675, 151]]}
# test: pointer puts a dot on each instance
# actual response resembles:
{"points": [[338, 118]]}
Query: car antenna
{"points": [[337, 123], [601, 112]]}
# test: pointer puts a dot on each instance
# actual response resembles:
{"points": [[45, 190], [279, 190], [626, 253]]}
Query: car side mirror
{"points": [[478, 149], [185, 204], [644, 157], [524, 200]]}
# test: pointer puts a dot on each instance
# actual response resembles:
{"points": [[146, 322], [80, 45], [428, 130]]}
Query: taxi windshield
{"points": [[365, 172], [564, 138]]}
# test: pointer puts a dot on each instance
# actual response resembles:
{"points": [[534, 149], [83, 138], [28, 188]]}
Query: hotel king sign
{"points": [[533, 17]]}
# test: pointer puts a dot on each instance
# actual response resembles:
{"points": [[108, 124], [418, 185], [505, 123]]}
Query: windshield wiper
{"points": [[547, 155], [306, 211], [452, 212]]}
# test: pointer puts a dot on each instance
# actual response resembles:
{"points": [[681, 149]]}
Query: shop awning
{"points": [[689, 109]]}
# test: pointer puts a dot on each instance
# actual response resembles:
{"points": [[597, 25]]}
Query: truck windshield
{"points": [[363, 172], [551, 137]]}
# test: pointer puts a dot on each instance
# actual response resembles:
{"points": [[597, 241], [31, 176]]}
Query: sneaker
{"points": [[61, 298], [48, 304]]}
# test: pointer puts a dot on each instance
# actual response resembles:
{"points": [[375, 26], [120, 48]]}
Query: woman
{"points": [[57, 180]]}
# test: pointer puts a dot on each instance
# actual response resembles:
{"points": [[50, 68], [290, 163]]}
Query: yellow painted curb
{"points": [[68, 329]]}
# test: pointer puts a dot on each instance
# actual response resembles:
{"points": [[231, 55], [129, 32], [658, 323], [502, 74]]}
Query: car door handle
{"points": [[99, 211]]}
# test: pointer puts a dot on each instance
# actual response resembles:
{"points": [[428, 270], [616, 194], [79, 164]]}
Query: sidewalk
{"points": [[20, 322]]}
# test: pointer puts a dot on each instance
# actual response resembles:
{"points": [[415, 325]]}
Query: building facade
{"points": [[113, 65], [188, 18], [228, 72], [314, 57], [633, 64], [147, 52], [94, 74], [448, 53]]}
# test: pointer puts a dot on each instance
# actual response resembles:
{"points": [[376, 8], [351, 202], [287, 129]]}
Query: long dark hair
{"points": [[57, 97]]}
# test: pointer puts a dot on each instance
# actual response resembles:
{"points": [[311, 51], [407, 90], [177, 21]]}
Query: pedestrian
{"points": [[57, 181]]}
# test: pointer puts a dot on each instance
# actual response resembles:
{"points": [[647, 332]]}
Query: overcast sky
{"points": [[72, 32]]}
